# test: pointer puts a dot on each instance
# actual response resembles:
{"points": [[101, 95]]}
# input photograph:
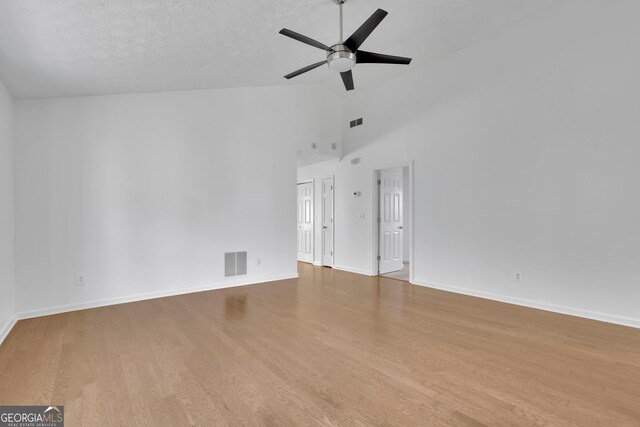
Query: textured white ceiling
{"points": [[86, 47]]}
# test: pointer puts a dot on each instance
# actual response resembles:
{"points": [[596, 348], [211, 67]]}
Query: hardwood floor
{"points": [[331, 348]]}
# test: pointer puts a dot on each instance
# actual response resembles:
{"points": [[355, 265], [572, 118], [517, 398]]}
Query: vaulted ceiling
{"points": [[88, 47]]}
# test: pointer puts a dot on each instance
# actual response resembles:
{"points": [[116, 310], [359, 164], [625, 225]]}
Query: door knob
{"points": [[401, 228], [324, 227]]}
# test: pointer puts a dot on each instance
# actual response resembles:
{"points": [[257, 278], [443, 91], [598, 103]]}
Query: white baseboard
{"points": [[603, 317], [353, 270], [28, 314], [6, 328], [593, 315]]}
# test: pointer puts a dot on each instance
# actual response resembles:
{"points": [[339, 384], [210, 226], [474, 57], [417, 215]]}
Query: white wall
{"points": [[526, 151], [7, 312], [142, 194]]}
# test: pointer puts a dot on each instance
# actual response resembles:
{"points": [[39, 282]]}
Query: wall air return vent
{"points": [[235, 264], [356, 122]]}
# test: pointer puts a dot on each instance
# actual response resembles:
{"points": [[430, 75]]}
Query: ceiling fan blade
{"points": [[347, 79], [304, 39], [304, 70], [379, 58], [365, 30]]}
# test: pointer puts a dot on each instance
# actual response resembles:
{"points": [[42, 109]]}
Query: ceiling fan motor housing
{"points": [[340, 58]]}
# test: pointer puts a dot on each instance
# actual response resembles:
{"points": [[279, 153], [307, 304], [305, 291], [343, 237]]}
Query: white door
{"points": [[390, 238], [305, 222], [327, 222]]}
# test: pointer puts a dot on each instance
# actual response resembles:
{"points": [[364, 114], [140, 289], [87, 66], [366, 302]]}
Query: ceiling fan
{"points": [[343, 56]]}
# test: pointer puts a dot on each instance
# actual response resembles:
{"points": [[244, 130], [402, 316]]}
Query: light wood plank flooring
{"points": [[331, 348]]}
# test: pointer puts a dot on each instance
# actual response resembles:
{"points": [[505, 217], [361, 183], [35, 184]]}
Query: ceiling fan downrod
{"points": [[340, 58], [340, 3]]}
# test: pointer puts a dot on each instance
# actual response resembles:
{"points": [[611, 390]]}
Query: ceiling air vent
{"points": [[235, 264]]}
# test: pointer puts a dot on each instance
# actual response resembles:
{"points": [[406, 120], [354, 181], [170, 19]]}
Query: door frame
{"points": [[375, 231], [313, 217], [333, 226]]}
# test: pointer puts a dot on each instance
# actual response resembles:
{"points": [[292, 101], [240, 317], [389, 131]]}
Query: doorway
{"points": [[393, 205], [328, 201], [305, 221]]}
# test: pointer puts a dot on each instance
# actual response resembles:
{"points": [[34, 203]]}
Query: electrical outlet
{"points": [[80, 280], [518, 276], [259, 261]]}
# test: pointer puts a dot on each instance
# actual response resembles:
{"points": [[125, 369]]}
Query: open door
{"points": [[305, 222], [390, 220], [327, 221]]}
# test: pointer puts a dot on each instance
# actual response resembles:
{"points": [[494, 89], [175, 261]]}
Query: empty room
{"points": [[319, 212]]}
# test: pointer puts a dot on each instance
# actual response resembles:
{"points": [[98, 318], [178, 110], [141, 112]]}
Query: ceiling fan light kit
{"points": [[341, 59], [343, 56]]}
